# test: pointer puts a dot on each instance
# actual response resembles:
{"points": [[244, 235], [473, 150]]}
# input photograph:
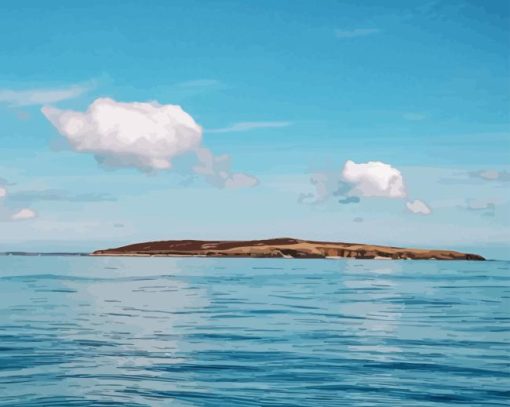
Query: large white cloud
{"points": [[142, 135], [147, 136], [373, 179]]}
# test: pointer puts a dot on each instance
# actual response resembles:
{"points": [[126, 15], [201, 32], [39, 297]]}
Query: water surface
{"points": [[84, 331]]}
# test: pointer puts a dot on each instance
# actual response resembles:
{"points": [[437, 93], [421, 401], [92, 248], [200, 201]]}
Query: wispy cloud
{"points": [[55, 195], [247, 126], [484, 207], [491, 175], [216, 170], [194, 87], [357, 32], [41, 96], [477, 177]]}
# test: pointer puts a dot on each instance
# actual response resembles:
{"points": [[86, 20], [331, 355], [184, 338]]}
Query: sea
{"points": [[119, 331]]}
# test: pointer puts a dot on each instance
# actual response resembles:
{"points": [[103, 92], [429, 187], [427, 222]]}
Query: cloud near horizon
{"points": [[142, 135], [24, 214], [12, 215]]}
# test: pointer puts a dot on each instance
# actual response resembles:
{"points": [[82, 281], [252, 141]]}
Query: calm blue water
{"points": [[241, 332]]}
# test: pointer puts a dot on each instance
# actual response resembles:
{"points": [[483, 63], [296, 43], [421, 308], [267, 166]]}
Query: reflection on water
{"points": [[210, 332]]}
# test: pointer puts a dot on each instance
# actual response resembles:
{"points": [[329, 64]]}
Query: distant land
{"points": [[20, 253], [281, 247]]}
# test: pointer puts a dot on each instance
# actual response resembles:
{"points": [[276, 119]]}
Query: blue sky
{"points": [[286, 89]]}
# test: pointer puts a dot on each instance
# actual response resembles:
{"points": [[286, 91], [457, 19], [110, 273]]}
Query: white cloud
{"points": [[357, 32], [3, 192], [418, 207], [356, 181], [146, 136], [247, 126], [216, 171], [371, 179], [142, 135], [374, 178], [31, 97], [24, 214]]}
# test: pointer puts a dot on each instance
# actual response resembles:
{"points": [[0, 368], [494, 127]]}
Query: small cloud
{"points": [[491, 175], [306, 197], [357, 32], [241, 180], [247, 126], [418, 207], [326, 185], [349, 200], [216, 171], [24, 214], [3, 192], [358, 220], [485, 208], [413, 116], [30, 97], [374, 178], [118, 225]]}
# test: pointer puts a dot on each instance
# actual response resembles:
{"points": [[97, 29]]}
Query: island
{"points": [[281, 247]]}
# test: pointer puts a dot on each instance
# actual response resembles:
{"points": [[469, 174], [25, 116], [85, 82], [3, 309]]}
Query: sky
{"points": [[372, 122]]}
